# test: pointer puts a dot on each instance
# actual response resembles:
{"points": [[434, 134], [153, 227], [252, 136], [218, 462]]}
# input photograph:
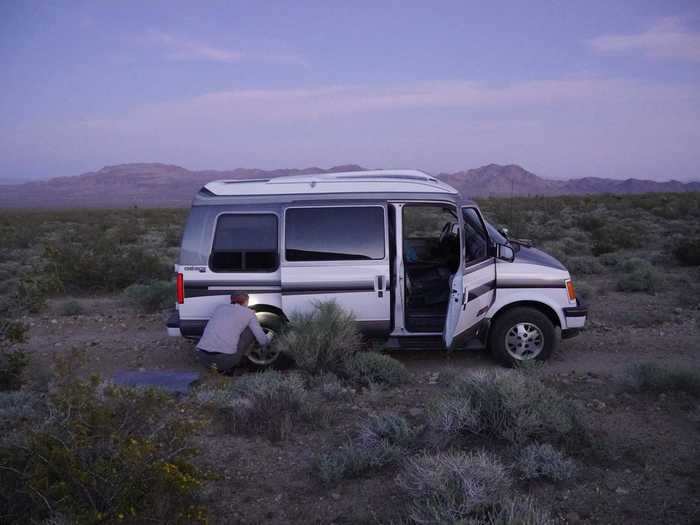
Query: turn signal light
{"points": [[180, 289], [570, 290]]}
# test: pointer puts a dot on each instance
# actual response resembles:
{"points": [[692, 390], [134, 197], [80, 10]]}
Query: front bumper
{"points": [[575, 319]]}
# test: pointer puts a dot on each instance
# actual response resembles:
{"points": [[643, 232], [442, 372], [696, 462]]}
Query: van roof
{"points": [[352, 182]]}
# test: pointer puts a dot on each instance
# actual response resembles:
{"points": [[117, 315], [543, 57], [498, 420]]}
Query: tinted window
{"points": [[245, 243], [475, 238], [334, 234]]}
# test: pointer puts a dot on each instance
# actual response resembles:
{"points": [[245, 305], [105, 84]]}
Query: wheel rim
{"points": [[262, 356], [524, 341]]}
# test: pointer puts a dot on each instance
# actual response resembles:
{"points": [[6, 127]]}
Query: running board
{"points": [[428, 343]]}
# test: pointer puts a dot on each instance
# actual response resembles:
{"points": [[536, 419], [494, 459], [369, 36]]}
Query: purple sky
{"points": [[564, 88]]}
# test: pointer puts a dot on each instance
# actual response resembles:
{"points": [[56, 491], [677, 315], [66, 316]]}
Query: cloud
{"points": [[183, 49], [667, 39]]}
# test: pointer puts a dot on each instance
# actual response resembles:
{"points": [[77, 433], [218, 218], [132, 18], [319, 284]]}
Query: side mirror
{"points": [[505, 253], [504, 232]]}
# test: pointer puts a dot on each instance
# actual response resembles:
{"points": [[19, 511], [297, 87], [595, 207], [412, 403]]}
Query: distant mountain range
{"points": [[164, 185]]}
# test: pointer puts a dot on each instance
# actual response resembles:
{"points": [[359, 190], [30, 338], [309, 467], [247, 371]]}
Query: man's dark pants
{"points": [[226, 362]]}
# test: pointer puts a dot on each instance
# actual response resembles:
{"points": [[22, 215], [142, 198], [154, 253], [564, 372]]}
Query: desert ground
{"points": [[85, 295]]}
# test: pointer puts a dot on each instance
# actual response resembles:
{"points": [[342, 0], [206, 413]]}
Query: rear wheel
{"points": [[523, 334], [264, 357]]}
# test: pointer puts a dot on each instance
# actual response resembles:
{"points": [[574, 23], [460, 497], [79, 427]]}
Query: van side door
{"points": [[474, 284], [338, 253]]}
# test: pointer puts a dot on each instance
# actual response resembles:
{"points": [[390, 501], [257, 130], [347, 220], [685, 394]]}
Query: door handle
{"points": [[379, 284]]}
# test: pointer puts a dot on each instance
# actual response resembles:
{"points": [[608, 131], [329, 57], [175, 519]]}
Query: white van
{"points": [[400, 249]]}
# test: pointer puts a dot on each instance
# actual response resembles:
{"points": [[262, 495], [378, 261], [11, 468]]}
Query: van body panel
{"points": [[372, 287]]}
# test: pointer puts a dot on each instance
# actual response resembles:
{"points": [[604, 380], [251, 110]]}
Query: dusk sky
{"points": [[565, 89]]}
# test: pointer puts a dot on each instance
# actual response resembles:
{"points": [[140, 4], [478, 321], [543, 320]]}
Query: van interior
{"points": [[430, 256]]}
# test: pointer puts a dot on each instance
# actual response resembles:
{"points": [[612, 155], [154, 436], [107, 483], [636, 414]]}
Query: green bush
{"points": [[331, 388], [542, 460], [515, 511], [269, 403], [151, 297], [687, 252], [321, 340], [638, 276], [102, 265], [584, 265], [106, 455], [374, 368], [650, 377], [614, 237], [13, 331], [71, 308], [380, 441], [451, 487], [508, 405], [12, 366], [611, 260]]}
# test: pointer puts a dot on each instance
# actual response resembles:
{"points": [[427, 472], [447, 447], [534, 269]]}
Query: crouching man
{"points": [[229, 334]]}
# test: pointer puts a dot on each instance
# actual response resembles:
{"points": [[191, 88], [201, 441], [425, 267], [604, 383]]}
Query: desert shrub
{"points": [[19, 410], [352, 460], [269, 403], [13, 331], [509, 405], [330, 387], [102, 265], [638, 276], [455, 486], [687, 252], [615, 236], [372, 367], [71, 308], [542, 460], [32, 291], [584, 265], [584, 292], [590, 222], [514, 511], [613, 260], [321, 340], [104, 455], [392, 428], [379, 441], [650, 377], [151, 297], [12, 366], [172, 237]]}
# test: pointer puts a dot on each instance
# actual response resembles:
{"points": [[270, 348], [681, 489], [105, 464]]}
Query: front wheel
{"points": [[523, 334]]}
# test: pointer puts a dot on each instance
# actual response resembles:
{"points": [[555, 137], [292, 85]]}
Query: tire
{"points": [[270, 323], [523, 334]]}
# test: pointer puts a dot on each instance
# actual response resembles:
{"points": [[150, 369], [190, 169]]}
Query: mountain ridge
{"points": [[168, 185]]}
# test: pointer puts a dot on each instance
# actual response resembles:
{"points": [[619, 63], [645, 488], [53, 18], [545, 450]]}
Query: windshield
{"points": [[495, 235]]}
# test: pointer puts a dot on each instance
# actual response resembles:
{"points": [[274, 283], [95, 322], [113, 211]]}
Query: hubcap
{"points": [[524, 341], [262, 356]]}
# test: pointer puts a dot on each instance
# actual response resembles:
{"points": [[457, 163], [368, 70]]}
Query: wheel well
{"points": [[545, 309], [270, 309]]}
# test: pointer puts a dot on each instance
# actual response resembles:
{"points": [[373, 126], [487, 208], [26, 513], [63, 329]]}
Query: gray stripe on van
{"points": [[530, 282]]}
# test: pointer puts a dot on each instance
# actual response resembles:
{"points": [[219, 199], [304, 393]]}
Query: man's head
{"points": [[240, 298]]}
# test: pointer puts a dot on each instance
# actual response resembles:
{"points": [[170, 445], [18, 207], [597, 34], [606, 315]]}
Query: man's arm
{"points": [[262, 338]]}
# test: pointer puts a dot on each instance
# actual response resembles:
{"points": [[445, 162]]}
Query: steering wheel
{"points": [[446, 229]]}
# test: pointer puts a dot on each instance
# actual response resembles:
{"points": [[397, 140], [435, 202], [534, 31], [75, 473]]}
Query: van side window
{"points": [[334, 233], [245, 243], [476, 240]]}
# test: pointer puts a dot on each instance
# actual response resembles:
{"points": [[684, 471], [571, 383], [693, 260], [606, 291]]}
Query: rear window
{"points": [[245, 243], [334, 233]]}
